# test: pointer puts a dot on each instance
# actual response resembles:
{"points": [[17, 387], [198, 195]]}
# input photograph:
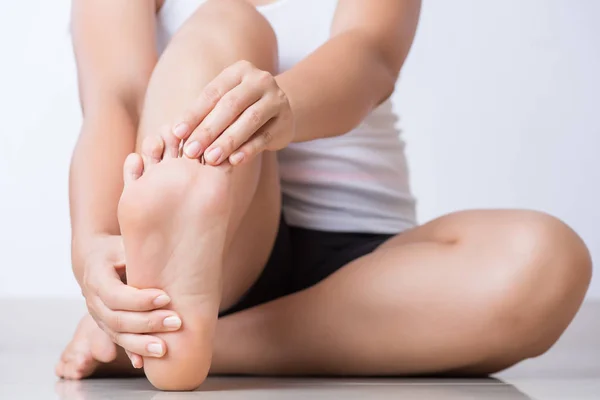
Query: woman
{"points": [[266, 222]]}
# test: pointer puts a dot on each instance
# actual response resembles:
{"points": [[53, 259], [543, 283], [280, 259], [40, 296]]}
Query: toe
{"points": [[171, 142], [86, 366], [132, 168], [152, 151], [137, 361], [69, 371], [59, 369], [102, 347]]}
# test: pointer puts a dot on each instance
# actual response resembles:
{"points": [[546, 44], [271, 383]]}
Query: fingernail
{"points": [[155, 348], [180, 130], [236, 158], [162, 300], [192, 150], [214, 155], [172, 322]]}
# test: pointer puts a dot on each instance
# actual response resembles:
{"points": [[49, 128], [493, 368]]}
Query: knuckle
{"points": [[264, 77], [206, 132], [211, 94], [232, 102], [267, 137], [254, 117], [151, 325], [229, 144], [281, 97], [244, 65], [117, 322]]}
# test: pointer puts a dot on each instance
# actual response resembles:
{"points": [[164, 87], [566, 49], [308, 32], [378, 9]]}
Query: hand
{"points": [[241, 113], [125, 313]]}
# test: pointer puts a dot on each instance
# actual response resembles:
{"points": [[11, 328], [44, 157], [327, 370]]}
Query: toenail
{"points": [[180, 130], [214, 155], [161, 300], [155, 348], [172, 322], [192, 150]]}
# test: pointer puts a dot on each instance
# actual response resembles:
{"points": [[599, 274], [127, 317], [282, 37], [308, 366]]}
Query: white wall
{"points": [[497, 102]]}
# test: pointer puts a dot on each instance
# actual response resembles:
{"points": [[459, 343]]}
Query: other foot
{"points": [[91, 352]]}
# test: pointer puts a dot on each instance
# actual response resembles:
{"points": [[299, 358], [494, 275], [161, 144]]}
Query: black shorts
{"points": [[303, 257]]}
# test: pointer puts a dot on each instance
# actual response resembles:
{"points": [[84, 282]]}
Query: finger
{"points": [[248, 123], [133, 167], [152, 151], [118, 296], [225, 112], [141, 322], [258, 143], [143, 345], [210, 96]]}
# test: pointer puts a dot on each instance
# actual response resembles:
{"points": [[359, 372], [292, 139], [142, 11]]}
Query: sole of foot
{"points": [[173, 215]]}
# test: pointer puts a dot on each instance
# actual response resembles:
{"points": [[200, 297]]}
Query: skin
{"points": [[487, 264]]}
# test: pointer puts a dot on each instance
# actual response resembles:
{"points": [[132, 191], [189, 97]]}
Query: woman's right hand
{"points": [[125, 313]]}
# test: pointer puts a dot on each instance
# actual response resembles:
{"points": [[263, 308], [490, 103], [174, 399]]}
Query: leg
{"points": [[181, 218], [217, 35], [473, 292], [245, 201], [201, 233]]}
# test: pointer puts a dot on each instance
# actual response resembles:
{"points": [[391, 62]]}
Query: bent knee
{"points": [[232, 26], [546, 277], [548, 254]]}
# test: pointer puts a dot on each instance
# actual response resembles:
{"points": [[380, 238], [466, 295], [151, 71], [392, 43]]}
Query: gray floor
{"points": [[31, 341]]}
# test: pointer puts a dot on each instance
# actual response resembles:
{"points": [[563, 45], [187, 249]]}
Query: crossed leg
{"points": [[472, 292]]}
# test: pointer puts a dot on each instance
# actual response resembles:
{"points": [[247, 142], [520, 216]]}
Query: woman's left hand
{"points": [[239, 114]]}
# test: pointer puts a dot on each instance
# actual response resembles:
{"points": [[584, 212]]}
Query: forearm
{"points": [[334, 89], [96, 182]]}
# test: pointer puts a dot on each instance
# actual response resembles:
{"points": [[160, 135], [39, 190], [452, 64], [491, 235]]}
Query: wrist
{"points": [[286, 87], [82, 246]]}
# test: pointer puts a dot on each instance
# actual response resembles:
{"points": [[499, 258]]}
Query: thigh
{"points": [[217, 35]]}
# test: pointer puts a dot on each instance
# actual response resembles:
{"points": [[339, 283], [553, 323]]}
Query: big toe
{"points": [[132, 168], [102, 347], [153, 148]]}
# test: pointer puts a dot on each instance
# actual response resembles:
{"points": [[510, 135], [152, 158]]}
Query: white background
{"points": [[499, 104]]}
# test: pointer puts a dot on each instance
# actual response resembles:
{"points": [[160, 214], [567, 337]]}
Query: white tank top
{"points": [[357, 182]]}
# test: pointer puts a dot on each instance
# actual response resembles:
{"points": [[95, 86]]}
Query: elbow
{"points": [[388, 87], [385, 82], [387, 72]]}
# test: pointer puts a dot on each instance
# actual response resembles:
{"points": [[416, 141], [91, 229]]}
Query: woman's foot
{"points": [[91, 352], [173, 216]]}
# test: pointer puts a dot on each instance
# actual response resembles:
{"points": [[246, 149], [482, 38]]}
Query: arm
{"points": [[354, 71], [114, 47], [327, 94]]}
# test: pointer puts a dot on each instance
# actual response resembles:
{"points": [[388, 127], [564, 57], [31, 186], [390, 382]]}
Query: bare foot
{"points": [[91, 352], [173, 221]]}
